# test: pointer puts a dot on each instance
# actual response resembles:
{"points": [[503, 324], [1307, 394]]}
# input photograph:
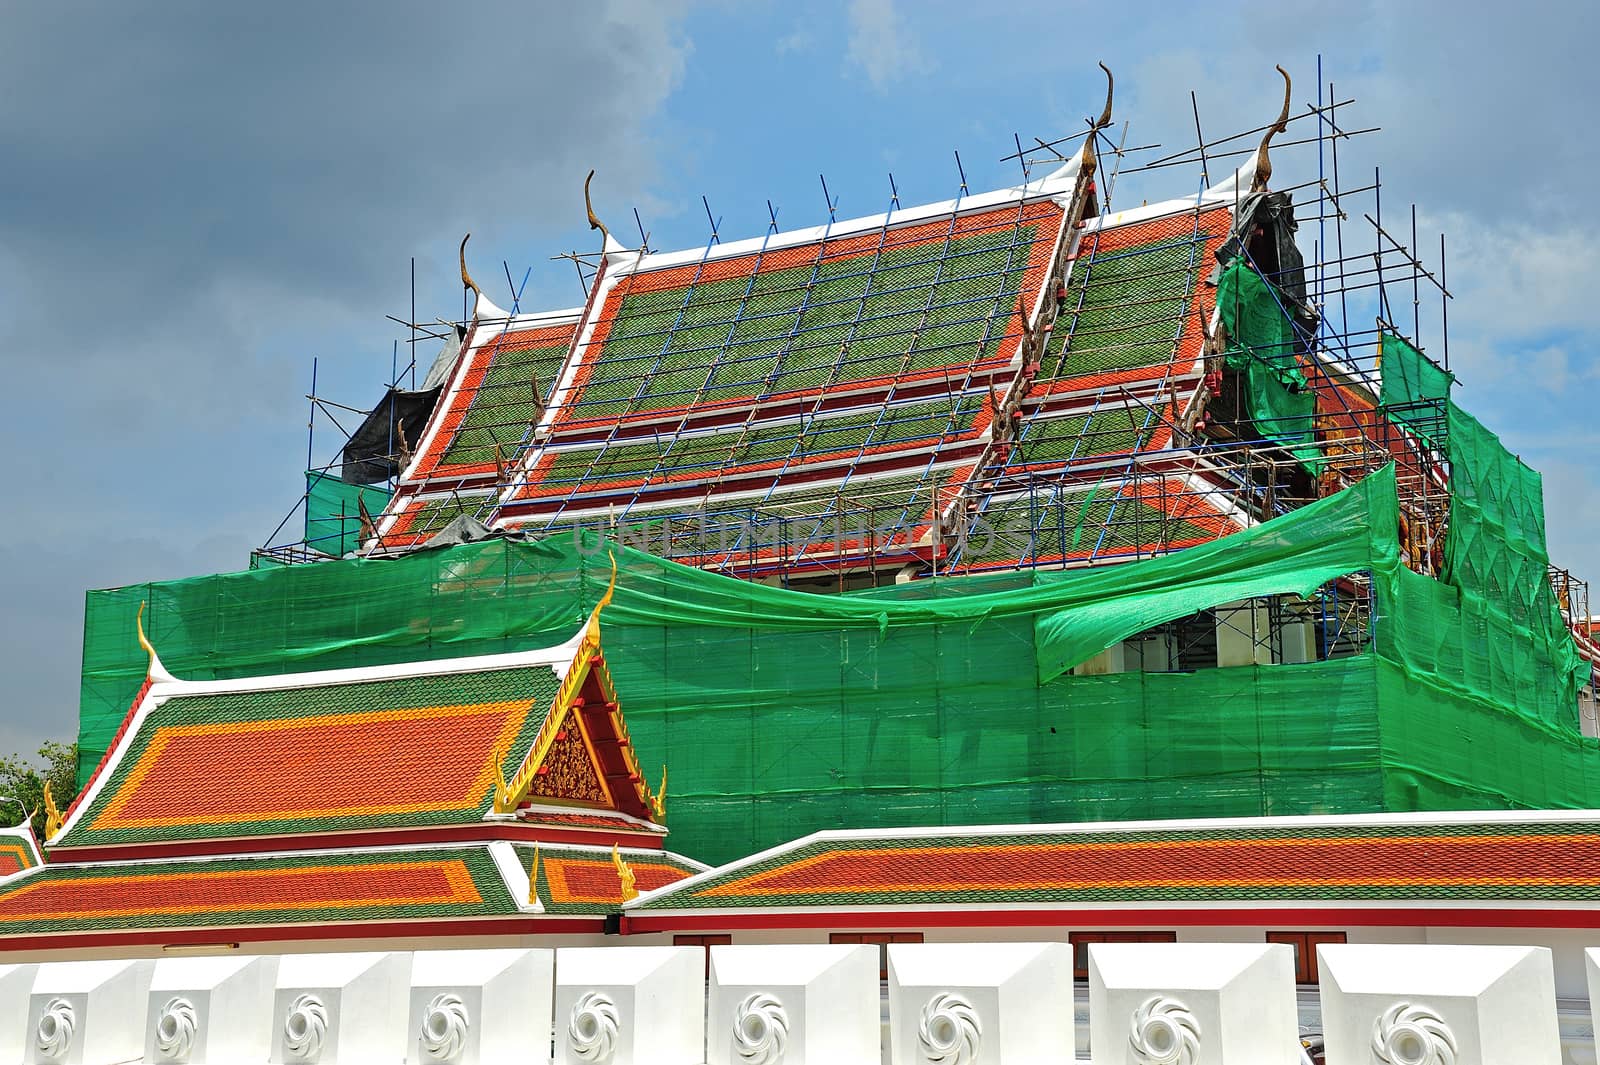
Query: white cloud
{"points": [[800, 40], [881, 44]]}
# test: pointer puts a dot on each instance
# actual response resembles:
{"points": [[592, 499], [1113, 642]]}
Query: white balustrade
{"points": [[201, 1010], [965, 1003], [1397, 1004], [86, 1011], [1192, 1004], [16, 985], [793, 1005], [480, 1007], [798, 1004], [340, 1009], [630, 1006]]}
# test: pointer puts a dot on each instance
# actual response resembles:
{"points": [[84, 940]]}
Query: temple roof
{"points": [[502, 379], [18, 850], [401, 747], [1384, 860], [293, 894], [964, 370]]}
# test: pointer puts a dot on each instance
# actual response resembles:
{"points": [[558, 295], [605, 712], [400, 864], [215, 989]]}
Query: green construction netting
{"points": [[1262, 346], [1507, 638], [1414, 390], [1495, 556], [333, 512], [938, 702]]}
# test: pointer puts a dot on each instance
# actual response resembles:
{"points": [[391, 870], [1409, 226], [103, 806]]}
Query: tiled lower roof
{"points": [[455, 883], [18, 850], [297, 889], [586, 882], [376, 753], [1270, 860]]}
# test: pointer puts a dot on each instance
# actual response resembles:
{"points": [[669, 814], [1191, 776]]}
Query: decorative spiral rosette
{"points": [[444, 1026], [54, 1034], [1163, 1031], [1407, 1034], [760, 1029], [592, 1028], [950, 1032], [305, 1026], [176, 1028]]}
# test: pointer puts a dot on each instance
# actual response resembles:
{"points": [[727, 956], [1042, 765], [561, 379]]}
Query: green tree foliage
{"points": [[23, 779]]}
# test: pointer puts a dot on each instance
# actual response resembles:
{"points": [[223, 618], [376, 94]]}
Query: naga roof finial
{"points": [[52, 814], [658, 801], [594, 219], [1263, 160], [624, 874], [466, 278]]}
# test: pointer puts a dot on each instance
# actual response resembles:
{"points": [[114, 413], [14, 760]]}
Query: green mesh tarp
{"points": [[1495, 556], [940, 702], [1262, 346], [1414, 390], [333, 512]]}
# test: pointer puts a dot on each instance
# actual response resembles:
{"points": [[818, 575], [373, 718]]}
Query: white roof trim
{"points": [[519, 881]]}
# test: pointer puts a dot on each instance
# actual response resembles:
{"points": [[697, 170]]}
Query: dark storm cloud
{"points": [[198, 196], [156, 147]]}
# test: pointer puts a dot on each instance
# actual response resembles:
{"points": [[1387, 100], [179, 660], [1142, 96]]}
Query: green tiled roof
{"points": [[906, 309], [1134, 301], [503, 407], [844, 434]]}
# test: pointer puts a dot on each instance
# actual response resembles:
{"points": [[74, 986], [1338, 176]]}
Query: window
{"points": [[1305, 951], [1080, 945], [703, 941], [883, 939]]}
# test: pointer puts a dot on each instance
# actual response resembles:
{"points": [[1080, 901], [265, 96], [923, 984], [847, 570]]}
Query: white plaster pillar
{"points": [[480, 1007], [16, 985], [87, 1012], [209, 1010], [811, 1004], [340, 1009], [1192, 1003], [630, 1005], [1438, 1005], [995, 1003]]}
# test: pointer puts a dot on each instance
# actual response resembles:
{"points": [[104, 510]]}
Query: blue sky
{"points": [[200, 198]]}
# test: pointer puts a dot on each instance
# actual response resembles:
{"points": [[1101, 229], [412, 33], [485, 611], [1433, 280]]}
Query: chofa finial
{"points": [[594, 219], [611, 585], [156, 670], [1105, 116], [1263, 160], [1090, 161], [466, 278]]}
